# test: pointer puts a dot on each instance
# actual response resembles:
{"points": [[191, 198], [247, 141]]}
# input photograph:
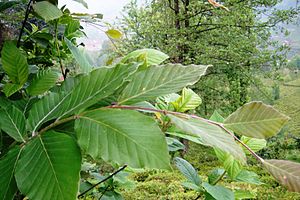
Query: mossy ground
{"points": [[158, 185]]}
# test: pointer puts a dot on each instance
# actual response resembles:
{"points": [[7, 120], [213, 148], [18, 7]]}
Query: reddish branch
{"points": [[165, 112]]}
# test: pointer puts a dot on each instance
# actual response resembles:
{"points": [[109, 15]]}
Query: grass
{"points": [[289, 104]]}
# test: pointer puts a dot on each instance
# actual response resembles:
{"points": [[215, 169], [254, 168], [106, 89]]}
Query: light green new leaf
{"points": [[188, 171], [124, 137], [157, 81], [97, 85], [216, 117], [49, 168], [8, 186], [256, 120], [253, 143], [80, 57], [14, 64], [210, 135], [232, 166], [47, 10], [242, 194], [189, 100], [13, 123], [43, 81], [285, 172], [113, 34], [218, 192], [153, 57]]}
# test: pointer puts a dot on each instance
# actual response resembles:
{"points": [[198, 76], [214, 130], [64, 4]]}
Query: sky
{"points": [[110, 10]]}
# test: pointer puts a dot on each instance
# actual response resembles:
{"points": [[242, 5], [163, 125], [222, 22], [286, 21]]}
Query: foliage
{"points": [[294, 63], [53, 125], [236, 42]]}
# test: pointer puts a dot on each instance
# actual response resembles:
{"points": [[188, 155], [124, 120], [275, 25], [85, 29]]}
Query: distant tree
{"points": [[295, 63], [235, 42]]}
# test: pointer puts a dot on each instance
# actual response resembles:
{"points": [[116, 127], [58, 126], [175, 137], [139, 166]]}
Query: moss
{"points": [[159, 186], [142, 176], [202, 158]]}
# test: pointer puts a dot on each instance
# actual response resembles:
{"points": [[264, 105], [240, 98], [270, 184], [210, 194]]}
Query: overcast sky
{"points": [[110, 9]]}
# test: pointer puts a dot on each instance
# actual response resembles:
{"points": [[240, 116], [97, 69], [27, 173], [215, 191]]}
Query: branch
{"points": [[24, 22], [170, 6], [56, 123], [110, 176], [165, 112]]}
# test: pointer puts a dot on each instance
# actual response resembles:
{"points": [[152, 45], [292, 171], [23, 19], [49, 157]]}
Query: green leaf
{"points": [[99, 84], [124, 137], [68, 85], [114, 34], [241, 194], [112, 195], [43, 81], [47, 10], [191, 186], [286, 172], [188, 171], [254, 144], [216, 117], [189, 100], [210, 135], [145, 104], [8, 4], [153, 57], [14, 63], [218, 192], [174, 144], [232, 166], [256, 120], [72, 29], [192, 138], [4, 102], [49, 168], [11, 88], [8, 186], [248, 177], [169, 98], [79, 56], [214, 175], [160, 80], [13, 123], [82, 2]]}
